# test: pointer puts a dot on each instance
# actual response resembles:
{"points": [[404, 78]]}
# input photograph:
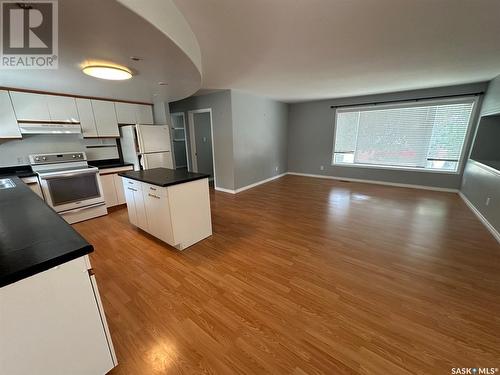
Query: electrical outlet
{"points": [[488, 200], [321, 167], [277, 168]]}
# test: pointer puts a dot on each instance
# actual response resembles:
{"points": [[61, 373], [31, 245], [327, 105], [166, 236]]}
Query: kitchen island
{"points": [[51, 315], [172, 205]]}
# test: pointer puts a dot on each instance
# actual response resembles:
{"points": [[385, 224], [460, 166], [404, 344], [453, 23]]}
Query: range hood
{"points": [[50, 128]]}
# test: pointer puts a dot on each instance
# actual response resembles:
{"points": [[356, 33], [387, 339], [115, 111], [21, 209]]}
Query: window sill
{"points": [[394, 168]]}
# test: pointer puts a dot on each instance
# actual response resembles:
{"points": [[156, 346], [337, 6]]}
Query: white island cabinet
{"points": [[53, 323], [177, 214]]}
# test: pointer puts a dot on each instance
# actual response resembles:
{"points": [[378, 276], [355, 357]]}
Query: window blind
{"points": [[420, 135]]}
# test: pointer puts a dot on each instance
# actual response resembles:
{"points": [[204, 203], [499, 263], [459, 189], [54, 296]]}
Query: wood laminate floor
{"points": [[306, 276]]}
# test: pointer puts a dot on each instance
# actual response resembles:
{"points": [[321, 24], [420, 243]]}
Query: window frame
{"points": [[405, 104]]}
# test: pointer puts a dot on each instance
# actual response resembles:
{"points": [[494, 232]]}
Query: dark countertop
{"points": [[109, 163], [33, 237], [20, 171], [163, 176]]}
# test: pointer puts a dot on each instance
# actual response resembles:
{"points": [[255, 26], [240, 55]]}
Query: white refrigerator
{"points": [[146, 146]]}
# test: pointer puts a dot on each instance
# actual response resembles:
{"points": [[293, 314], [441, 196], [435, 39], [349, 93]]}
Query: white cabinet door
{"points": [[140, 209], [86, 115], [158, 215], [51, 324], [144, 114], [126, 113], [109, 190], [120, 193], [30, 107], [8, 121], [62, 108], [105, 118], [129, 197]]}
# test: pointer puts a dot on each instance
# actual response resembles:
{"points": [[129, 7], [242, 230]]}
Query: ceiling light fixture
{"points": [[111, 72]]}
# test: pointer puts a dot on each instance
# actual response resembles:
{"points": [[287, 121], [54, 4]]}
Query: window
{"points": [[420, 135]]}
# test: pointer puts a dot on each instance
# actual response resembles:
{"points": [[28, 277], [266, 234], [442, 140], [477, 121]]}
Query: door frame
{"points": [[192, 139], [185, 136]]}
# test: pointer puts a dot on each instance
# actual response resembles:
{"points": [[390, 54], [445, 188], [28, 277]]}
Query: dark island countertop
{"points": [[164, 177], [33, 237]]}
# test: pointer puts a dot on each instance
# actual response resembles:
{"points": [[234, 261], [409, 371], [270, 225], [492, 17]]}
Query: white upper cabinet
{"points": [[62, 108], [86, 115], [144, 114], [130, 113], [126, 113], [40, 107], [8, 121], [29, 106], [105, 118]]}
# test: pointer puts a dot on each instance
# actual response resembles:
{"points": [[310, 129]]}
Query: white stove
{"points": [[69, 185]]}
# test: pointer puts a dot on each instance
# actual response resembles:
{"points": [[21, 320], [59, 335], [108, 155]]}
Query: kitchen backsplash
{"points": [[16, 152]]}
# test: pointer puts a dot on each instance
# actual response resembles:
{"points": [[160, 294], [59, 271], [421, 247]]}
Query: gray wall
{"points": [[220, 103], [479, 181], [311, 130], [260, 138]]}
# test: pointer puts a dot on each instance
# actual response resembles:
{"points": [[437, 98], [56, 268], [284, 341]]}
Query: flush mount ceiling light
{"points": [[111, 72]]}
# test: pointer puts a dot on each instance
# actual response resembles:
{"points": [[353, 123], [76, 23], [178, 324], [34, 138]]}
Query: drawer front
{"points": [[155, 190], [132, 183]]}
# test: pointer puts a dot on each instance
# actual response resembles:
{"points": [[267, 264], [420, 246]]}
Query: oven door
{"points": [[68, 190]]}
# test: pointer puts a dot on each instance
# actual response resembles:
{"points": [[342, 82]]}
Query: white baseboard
{"points": [[259, 183], [249, 186], [375, 182], [480, 216], [225, 190]]}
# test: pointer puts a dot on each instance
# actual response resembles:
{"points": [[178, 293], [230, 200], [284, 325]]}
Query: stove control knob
{"points": [[37, 158], [74, 156], [44, 158]]}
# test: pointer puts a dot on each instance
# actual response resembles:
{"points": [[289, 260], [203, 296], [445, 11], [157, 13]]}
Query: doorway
{"points": [[179, 140], [201, 141]]}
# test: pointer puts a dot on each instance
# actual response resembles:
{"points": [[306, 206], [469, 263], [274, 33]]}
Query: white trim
{"points": [[410, 103], [229, 191], [480, 216], [411, 186], [193, 140], [251, 185], [259, 183]]}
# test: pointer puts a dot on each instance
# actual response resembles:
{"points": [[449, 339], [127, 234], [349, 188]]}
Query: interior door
{"points": [[157, 160], [203, 142]]}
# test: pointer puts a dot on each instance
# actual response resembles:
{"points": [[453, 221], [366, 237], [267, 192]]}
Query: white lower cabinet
{"points": [[109, 190], [112, 186], [158, 215], [178, 215], [135, 206], [53, 323]]}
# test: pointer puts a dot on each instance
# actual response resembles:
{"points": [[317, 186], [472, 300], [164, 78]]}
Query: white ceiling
{"points": [[106, 30], [295, 50]]}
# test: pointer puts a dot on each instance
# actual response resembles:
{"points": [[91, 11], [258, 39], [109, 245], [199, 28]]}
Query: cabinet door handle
{"points": [[154, 196], [131, 189], [152, 188]]}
